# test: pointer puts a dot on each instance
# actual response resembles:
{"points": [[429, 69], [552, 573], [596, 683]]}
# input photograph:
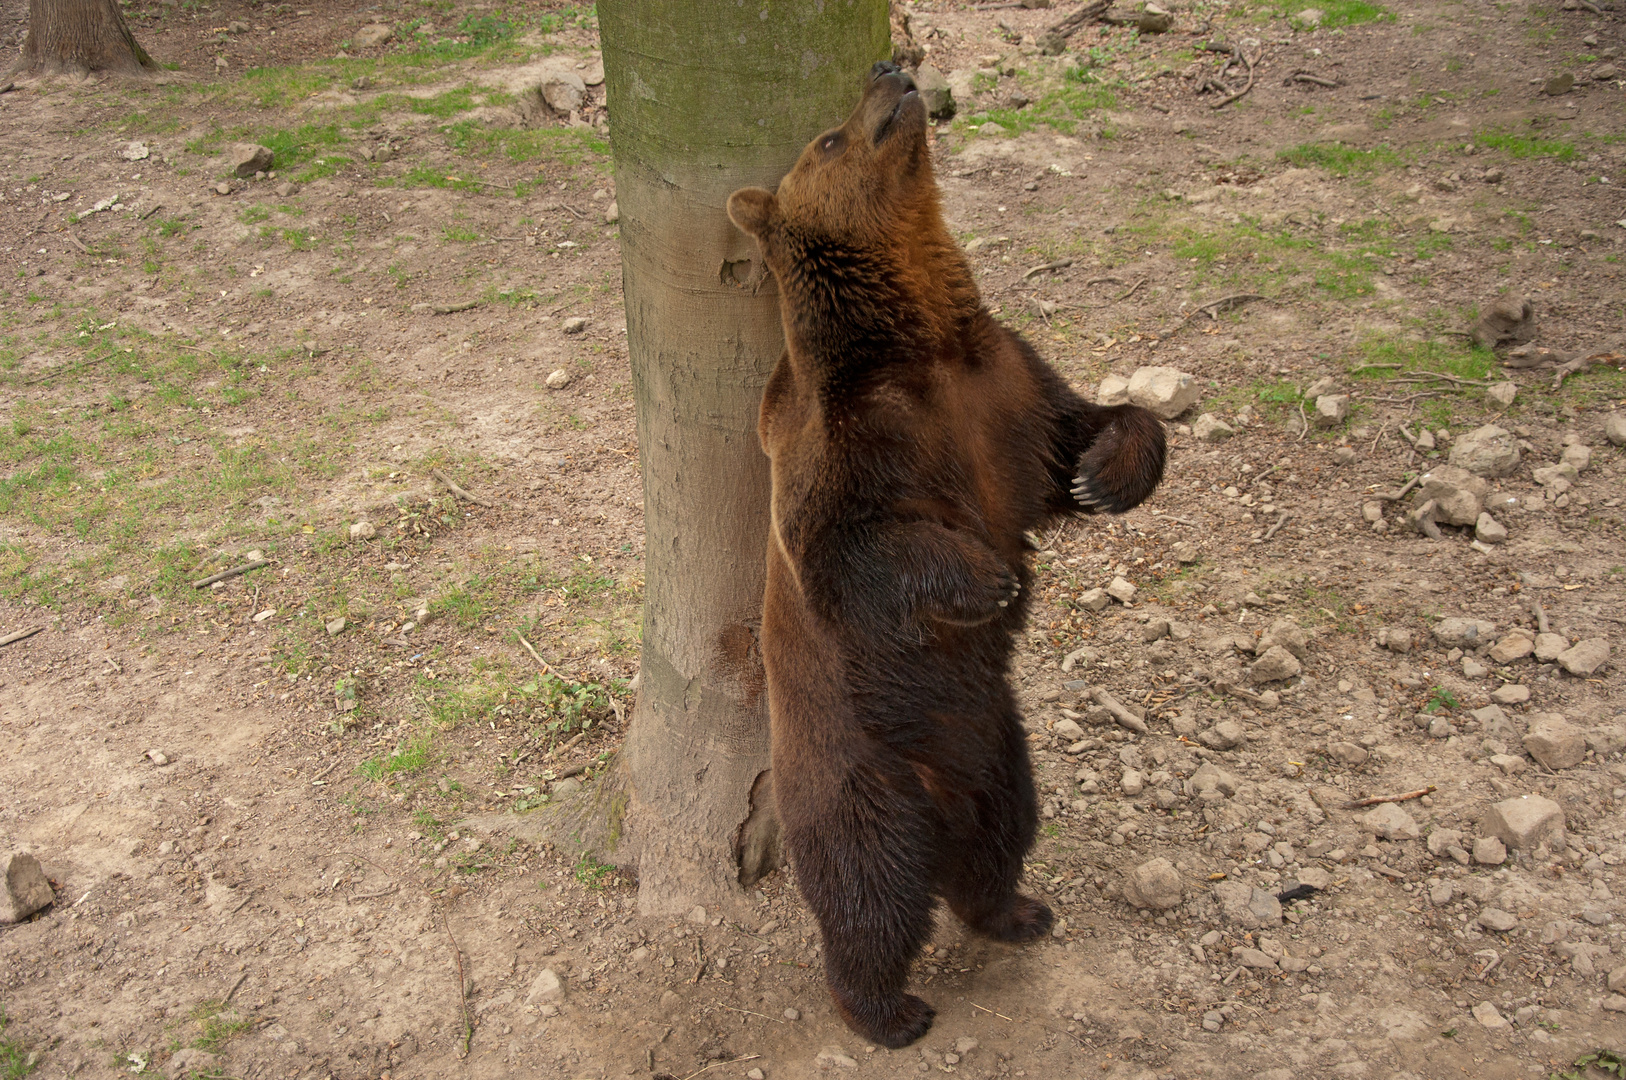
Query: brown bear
{"points": [[913, 440]]}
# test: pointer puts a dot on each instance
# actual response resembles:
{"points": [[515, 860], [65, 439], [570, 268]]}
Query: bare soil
{"points": [[288, 846]]}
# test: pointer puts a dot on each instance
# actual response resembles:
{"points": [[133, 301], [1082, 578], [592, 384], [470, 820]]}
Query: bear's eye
{"points": [[832, 143]]}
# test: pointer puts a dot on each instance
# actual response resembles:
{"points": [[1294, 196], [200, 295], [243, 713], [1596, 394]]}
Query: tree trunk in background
{"points": [[705, 98], [76, 37]]}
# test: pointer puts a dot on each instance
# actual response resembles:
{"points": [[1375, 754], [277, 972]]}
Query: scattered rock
{"points": [[1114, 390], [1487, 530], [1121, 590], [372, 36], [1510, 694], [1554, 742], [1224, 735], [1211, 778], [190, 1061], [1153, 20], [934, 91], [1252, 958], [335, 627], [1584, 657], [612, 213], [1525, 822], [1311, 17], [1463, 634], [573, 325], [1185, 552], [1613, 1003], [1396, 640], [1286, 633], [1276, 665], [1548, 646], [1515, 646], [1487, 451], [26, 888], [1165, 391], [1458, 495], [1502, 393], [1489, 851], [1155, 884], [1093, 599], [546, 988], [1209, 428], [1347, 753], [1578, 456], [1491, 1020], [1496, 919], [1511, 319], [1614, 428], [1246, 906], [834, 1058], [136, 151], [363, 530], [1331, 410], [563, 91], [249, 158], [697, 915], [1558, 84], [1389, 822], [1508, 763], [1557, 478], [558, 379]]}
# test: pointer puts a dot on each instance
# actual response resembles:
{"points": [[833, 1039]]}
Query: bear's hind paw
{"points": [[1023, 919]]}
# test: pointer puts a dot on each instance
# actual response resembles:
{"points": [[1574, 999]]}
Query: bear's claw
{"points": [[894, 1022]]}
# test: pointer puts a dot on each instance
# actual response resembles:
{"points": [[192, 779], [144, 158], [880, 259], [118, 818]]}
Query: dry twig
{"points": [[1059, 264], [1374, 800], [233, 572], [459, 492]]}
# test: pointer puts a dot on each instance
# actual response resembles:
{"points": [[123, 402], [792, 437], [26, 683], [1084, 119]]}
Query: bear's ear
{"points": [[754, 210]]}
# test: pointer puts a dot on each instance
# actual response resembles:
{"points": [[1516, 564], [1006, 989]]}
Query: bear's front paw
{"points": [[894, 1021], [982, 597]]}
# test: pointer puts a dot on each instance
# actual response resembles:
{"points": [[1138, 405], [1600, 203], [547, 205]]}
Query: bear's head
{"points": [[863, 185]]}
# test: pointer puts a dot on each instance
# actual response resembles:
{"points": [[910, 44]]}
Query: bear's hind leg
{"points": [[979, 885], [874, 912]]}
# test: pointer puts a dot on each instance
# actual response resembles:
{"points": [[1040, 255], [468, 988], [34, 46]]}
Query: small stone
{"points": [[1558, 84], [835, 1058], [1610, 739], [1487, 530], [1286, 633], [1614, 428], [1114, 390], [1557, 479], [547, 988], [1617, 979], [573, 325], [372, 36], [1211, 778], [697, 915], [1347, 753], [1311, 17], [1399, 641], [1473, 669], [136, 151], [993, 129], [222, 188], [1252, 958], [1248, 907], [1510, 694], [1441, 841], [1185, 552], [157, 757], [755, 1074], [1547, 647], [1554, 742], [1491, 1020], [1525, 822], [1331, 410], [1094, 599], [1156, 630], [1508, 763], [1389, 822], [1584, 657], [935, 92], [1440, 728], [1154, 884], [558, 379], [26, 888], [612, 213], [1163, 390], [1121, 590], [249, 158], [1502, 393], [1209, 428], [1577, 456], [362, 530], [1515, 646], [1613, 1003], [1067, 729], [965, 1044], [1496, 919], [286, 190], [563, 91], [1489, 851], [792, 1015], [1487, 451], [336, 627], [1275, 665], [1458, 495], [1463, 633], [1224, 735], [1372, 512], [1133, 782]]}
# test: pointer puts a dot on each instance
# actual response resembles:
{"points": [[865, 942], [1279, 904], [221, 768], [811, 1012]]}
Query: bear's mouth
{"points": [[907, 100]]}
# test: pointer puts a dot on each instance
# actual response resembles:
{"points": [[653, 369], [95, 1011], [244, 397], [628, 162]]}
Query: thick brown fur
{"points": [[914, 440]]}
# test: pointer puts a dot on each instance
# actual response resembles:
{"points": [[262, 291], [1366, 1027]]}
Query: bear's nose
{"points": [[883, 67]]}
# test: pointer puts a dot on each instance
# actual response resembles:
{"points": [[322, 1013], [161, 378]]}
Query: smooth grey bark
{"points": [[705, 98]]}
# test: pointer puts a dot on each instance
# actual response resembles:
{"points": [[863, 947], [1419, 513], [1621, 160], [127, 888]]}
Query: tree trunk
{"points": [[76, 37], [706, 98]]}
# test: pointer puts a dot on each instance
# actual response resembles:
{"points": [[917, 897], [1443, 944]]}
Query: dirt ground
{"points": [[290, 816]]}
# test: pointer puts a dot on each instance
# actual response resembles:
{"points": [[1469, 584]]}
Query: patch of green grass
{"points": [[1380, 356], [460, 234], [16, 1061], [427, 176], [1430, 244], [1080, 93], [571, 146], [1335, 13], [217, 1024], [1341, 160], [255, 214], [1525, 146], [411, 756], [591, 873], [1247, 255]]}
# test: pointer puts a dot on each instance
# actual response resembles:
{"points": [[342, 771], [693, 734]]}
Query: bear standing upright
{"points": [[913, 441]]}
